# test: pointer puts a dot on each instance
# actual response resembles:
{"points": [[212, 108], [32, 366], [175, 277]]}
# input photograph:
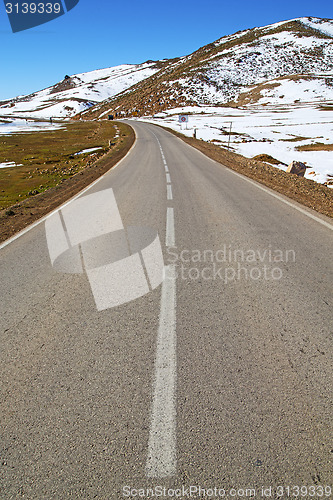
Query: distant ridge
{"points": [[258, 65]]}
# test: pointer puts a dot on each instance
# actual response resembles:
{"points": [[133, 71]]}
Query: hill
{"points": [[291, 60], [79, 92], [284, 62]]}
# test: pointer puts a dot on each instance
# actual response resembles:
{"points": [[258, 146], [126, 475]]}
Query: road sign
{"points": [[183, 118]]}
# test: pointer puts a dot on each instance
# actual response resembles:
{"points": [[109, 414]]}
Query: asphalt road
{"points": [[219, 378]]}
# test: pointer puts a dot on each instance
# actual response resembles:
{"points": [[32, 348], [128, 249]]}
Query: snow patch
{"points": [[271, 130], [89, 150], [9, 164]]}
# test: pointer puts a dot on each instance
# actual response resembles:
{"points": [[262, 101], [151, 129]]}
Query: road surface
{"points": [[220, 378]]}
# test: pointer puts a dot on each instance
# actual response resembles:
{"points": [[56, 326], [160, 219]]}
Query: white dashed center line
{"points": [[162, 444], [162, 459]]}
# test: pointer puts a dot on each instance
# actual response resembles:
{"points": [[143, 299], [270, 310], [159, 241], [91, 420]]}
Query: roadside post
{"points": [[229, 135]]}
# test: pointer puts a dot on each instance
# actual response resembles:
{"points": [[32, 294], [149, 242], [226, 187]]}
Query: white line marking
{"points": [[43, 219], [289, 203], [162, 457], [275, 195], [170, 228]]}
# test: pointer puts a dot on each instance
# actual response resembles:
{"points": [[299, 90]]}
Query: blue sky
{"points": [[102, 33]]}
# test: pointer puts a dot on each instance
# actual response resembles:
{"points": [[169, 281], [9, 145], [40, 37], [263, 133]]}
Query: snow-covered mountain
{"points": [[283, 62], [290, 61], [79, 92]]}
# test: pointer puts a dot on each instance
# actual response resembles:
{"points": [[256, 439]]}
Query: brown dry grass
{"points": [[296, 139], [267, 158], [319, 146]]}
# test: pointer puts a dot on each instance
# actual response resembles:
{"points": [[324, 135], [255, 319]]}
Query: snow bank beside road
{"points": [[271, 130]]}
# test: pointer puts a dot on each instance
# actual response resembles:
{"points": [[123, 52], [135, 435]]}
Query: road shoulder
{"points": [[305, 191]]}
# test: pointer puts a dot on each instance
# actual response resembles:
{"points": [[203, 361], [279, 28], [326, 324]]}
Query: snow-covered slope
{"points": [[79, 92], [286, 62], [322, 25], [232, 69], [292, 90]]}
